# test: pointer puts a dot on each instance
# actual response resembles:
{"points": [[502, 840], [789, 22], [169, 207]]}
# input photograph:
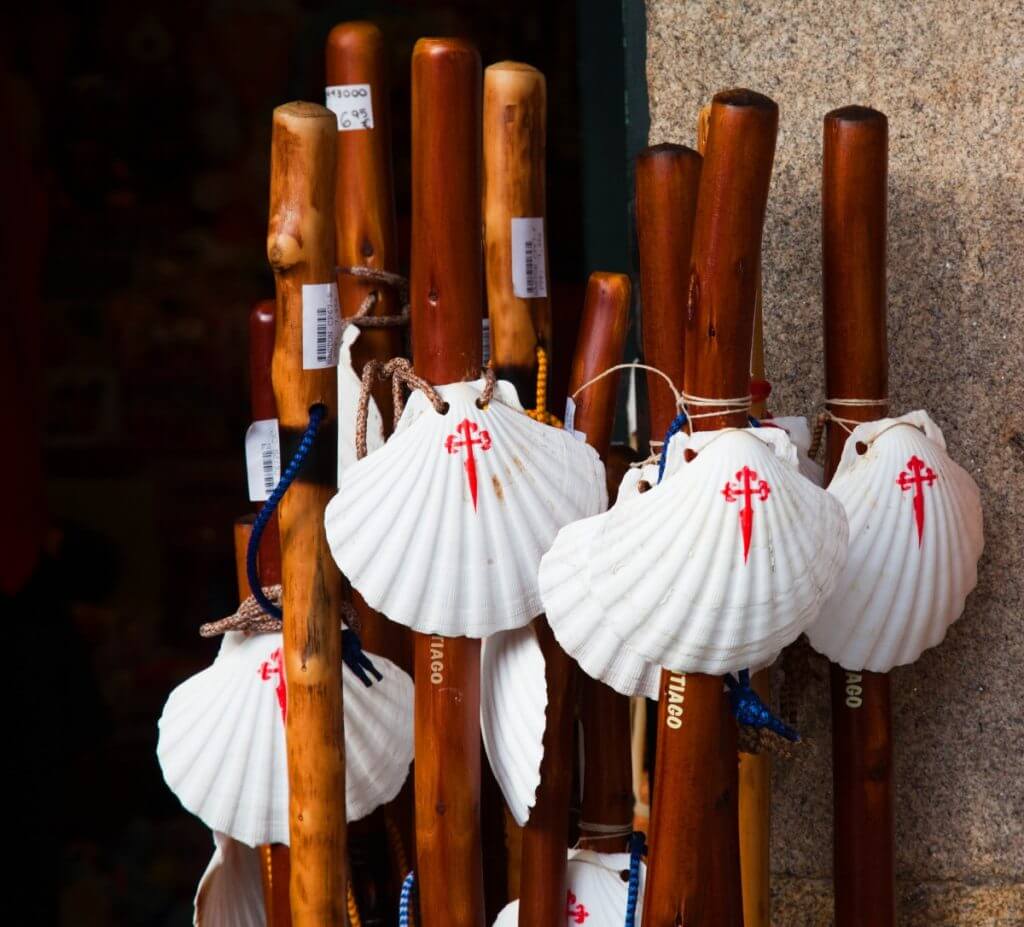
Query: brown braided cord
{"points": [[362, 318], [401, 374], [761, 740], [251, 619]]}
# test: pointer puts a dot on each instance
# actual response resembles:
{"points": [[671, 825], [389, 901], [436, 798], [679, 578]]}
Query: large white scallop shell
{"points": [[915, 540], [725, 561], [442, 529], [349, 386], [221, 744], [595, 891], [230, 893], [513, 703], [577, 619]]}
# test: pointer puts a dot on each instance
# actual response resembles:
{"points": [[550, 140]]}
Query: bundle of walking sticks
{"points": [[436, 580]]}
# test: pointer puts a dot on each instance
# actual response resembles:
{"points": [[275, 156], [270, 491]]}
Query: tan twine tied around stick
{"points": [[250, 618], [362, 318], [401, 374], [847, 424]]}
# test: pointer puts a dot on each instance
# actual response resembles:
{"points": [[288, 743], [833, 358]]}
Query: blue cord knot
{"points": [[637, 849], [748, 709], [355, 659]]}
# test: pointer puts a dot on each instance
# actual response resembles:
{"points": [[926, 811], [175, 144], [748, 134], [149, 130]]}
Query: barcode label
{"points": [[262, 458], [529, 277], [486, 337], [321, 325], [352, 104], [570, 420]]}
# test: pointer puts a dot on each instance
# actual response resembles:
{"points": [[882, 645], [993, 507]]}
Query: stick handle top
{"points": [[741, 98], [353, 37], [667, 151], [299, 111], [438, 49], [856, 114]]}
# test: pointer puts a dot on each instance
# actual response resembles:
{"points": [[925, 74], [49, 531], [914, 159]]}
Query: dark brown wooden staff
{"points": [[364, 222], [546, 835], [446, 298], [300, 247], [274, 869], [854, 206], [694, 871]]}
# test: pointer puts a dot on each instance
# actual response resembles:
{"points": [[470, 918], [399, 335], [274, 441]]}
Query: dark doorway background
{"points": [[133, 248]]}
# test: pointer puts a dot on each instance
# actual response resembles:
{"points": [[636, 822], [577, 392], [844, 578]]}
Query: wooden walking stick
{"points": [[364, 222], [694, 863], [446, 294], [854, 204], [542, 899], [755, 769], [274, 865], [300, 246]]}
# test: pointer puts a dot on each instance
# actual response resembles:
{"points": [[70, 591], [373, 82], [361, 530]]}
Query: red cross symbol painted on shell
{"points": [[749, 488], [919, 476], [466, 437], [274, 666], [576, 913]]}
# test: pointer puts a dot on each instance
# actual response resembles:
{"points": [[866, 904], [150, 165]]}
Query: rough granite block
{"points": [[950, 77]]}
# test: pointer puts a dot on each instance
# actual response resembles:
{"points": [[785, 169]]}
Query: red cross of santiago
{"points": [[453, 445], [573, 911], [920, 475], [749, 487], [274, 666]]}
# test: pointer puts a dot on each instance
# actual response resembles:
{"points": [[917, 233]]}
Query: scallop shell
{"points": [[595, 891], [915, 541], [230, 893], [725, 561], [442, 529], [349, 387], [577, 619], [513, 702], [221, 744]]}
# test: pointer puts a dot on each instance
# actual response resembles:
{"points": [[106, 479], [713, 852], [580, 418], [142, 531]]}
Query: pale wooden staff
{"points": [[854, 205], [694, 864], [446, 300], [755, 769], [364, 222], [515, 113], [546, 835], [300, 246]]}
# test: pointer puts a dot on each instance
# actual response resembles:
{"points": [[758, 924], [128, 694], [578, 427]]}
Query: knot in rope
{"points": [[751, 712], [249, 618], [362, 318]]}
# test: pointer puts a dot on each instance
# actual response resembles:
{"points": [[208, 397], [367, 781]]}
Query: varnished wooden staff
{"points": [[274, 865], [694, 864], [542, 899], [854, 206], [364, 222], [515, 114], [755, 769], [300, 247], [446, 299]]}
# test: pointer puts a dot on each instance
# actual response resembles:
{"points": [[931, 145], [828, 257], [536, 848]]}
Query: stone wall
{"points": [[950, 77]]}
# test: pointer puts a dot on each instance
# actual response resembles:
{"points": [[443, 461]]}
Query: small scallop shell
{"points": [[915, 541], [442, 529], [513, 702], [725, 561], [221, 744], [230, 893], [596, 891], [349, 386]]}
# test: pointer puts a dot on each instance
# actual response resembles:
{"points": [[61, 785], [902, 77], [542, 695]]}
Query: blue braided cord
{"points": [[637, 848], [674, 428], [316, 416], [405, 900], [753, 421], [748, 708], [355, 659]]}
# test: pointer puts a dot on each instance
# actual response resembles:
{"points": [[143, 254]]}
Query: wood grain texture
{"points": [[446, 296], [515, 116], [263, 406], [300, 247], [601, 342], [694, 866], [854, 221]]}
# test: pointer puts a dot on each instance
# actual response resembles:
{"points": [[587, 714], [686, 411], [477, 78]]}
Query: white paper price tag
{"points": [[262, 458], [321, 325], [528, 259], [352, 104], [570, 420]]}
